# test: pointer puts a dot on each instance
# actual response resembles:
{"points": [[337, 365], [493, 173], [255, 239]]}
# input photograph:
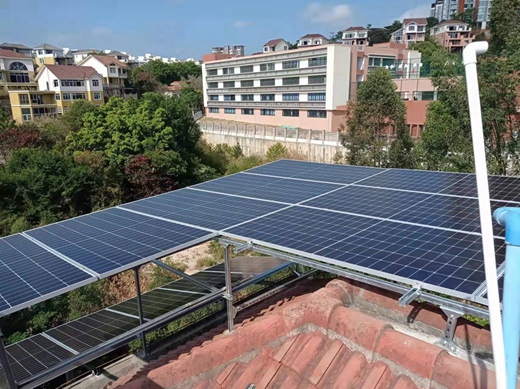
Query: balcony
{"points": [[261, 89], [275, 73], [268, 104]]}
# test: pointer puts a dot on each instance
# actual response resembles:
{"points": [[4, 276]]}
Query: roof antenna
{"points": [[486, 224]]}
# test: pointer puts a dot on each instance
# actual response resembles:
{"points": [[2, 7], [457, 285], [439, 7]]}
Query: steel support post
{"points": [[231, 311], [4, 361], [449, 332], [140, 308]]}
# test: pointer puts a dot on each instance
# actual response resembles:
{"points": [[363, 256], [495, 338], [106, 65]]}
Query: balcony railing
{"points": [[268, 104], [261, 89], [286, 72]]}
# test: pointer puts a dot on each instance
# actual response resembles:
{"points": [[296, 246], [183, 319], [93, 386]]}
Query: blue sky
{"points": [[187, 28]]}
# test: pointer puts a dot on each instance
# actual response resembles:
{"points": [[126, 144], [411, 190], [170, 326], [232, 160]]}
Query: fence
{"points": [[313, 145]]}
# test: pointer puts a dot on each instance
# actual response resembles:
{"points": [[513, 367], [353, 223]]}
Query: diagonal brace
{"points": [[184, 275]]}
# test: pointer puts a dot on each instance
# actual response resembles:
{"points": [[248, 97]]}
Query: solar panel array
{"points": [[40, 352]]}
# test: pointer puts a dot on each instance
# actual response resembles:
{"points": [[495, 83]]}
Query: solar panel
{"points": [[203, 209], [267, 188], [114, 240], [28, 274], [443, 260], [500, 188]]}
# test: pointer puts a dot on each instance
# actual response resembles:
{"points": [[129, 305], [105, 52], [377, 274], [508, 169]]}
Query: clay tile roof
{"points": [[313, 36], [274, 42], [107, 60], [357, 28], [14, 46], [317, 341], [419, 21], [12, 54], [72, 72]]}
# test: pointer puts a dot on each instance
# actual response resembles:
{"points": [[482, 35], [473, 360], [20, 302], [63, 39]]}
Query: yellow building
{"points": [[27, 105], [46, 54], [16, 72]]}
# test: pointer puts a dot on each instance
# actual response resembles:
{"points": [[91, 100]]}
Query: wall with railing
{"points": [[313, 145]]}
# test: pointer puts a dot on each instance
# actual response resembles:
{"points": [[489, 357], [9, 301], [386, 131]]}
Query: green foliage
{"points": [[165, 73], [336, 37], [377, 115], [73, 118], [6, 121], [276, 152], [378, 35], [505, 29], [161, 276], [244, 163], [87, 299], [143, 81], [396, 25]]}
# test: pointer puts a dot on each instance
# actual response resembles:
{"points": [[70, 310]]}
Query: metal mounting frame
{"points": [[140, 308], [409, 296], [4, 362], [184, 275], [449, 332], [239, 247]]}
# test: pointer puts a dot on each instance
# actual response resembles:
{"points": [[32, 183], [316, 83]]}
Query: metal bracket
{"points": [[409, 296], [449, 332], [184, 275], [227, 296], [244, 247]]}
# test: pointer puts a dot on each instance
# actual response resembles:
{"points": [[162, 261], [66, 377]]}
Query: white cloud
{"points": [[421, 11], [241, 24], [329, 15]]}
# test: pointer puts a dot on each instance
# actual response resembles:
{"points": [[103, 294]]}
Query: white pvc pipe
{"points": [[486, 223]]}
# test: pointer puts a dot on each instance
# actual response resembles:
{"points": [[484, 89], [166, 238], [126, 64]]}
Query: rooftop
{"points": [[357, 28], [274, 42], [313, 36], [46, 46], [14, 46], [450, 22], [12, 54], [72, 72], [320, 340], [419, 21], [107, 60]]}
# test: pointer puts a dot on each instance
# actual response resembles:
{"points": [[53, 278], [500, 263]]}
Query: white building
{"points": [[413, 30], [355, 36], [299, 88], [114, 72], [312, 40], [276, 45]]}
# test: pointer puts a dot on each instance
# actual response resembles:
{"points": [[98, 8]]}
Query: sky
{"points": [[188, 28]]}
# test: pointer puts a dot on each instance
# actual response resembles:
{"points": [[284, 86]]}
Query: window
{"points": [[248, 111], [95, 82], [429, 96], [26, 114], [267, 112], [213, 110], [230, 110], [213, 97], [420, 28], [269, 97], [56, 83], [97, 96], [18, 66], [40, 60], [72, 83], [19, 77], [316, 96], [290, 64], [24, 99], [228, 71], [317, 114], [213, 85], [212, 72], [411, 28], [266, 67], [248, 97], [246, 69], [317, 79], [247, 83], [58, 97], [291, 97], [320, 61], [229, 84], [78, 96], [229, 97], [291, 81], [291, 112], [66, 96], [44, 111], [267, 82], [113, 70], [37, 99]]}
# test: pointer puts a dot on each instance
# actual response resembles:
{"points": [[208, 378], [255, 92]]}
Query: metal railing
{"points": [[284, 72], [258, 89]]}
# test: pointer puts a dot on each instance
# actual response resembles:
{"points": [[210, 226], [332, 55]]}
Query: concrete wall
{"points": [[316, 146]]}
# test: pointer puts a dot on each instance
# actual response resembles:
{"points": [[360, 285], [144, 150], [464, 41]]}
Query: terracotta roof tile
{"points": [[356, 28], [71, 72], [11, 54], [274, 42], [313, 36], [107, 60], [419, 21]]}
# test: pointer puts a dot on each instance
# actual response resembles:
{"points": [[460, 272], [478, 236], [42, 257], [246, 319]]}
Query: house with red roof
{"points": [[355, 36], [413, 30], [276, 45], [312, 40], [114, 72]]}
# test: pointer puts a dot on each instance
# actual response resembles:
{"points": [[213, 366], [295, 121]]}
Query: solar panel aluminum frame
{"points": [[345, 265], [98, 351]]}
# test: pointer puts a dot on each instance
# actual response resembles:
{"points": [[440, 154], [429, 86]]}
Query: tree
{"points": [[378, 35], [468, 16], [276, 152], [163, 72], [505, 28], [19, 137], [377, 115], [396, 25], [74, 116], [143, 81], [6, 121], [336, 37]]}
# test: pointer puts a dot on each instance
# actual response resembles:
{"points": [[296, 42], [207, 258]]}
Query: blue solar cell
{"points": [[267, 188], [204, 209], [107, 240], [28, 272], [503, 188], [436, 257]]}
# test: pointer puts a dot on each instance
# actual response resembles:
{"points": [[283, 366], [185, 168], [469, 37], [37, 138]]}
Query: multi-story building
{"points": [[413, 30], [17, 47], [355, 36], [298, 88], [237, 50], [46, 54], [312, 40], [453, 35], [123, 57], [275, 45], [448, 9], [80, 55], [16, 72], [114, 72], [437, 9], [59, 86]]}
